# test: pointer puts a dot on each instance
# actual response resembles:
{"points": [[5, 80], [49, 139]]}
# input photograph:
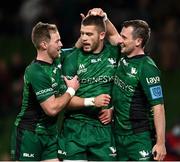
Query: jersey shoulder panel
{"points": [[70, 62], [150, 78]]}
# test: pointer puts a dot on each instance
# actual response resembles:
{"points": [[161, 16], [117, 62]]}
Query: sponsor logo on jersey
{"points": [[52, 79], [156, 92], [95, 60], [55, 83], [144, 155], [123, 85], [28, 155], [153, 80], [44, 91], [81, 69], [100, 79]]}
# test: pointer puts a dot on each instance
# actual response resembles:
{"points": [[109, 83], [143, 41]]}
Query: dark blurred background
{"points": [[16, 50]]}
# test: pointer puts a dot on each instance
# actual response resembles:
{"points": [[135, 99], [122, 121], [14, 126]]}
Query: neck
{"points": [[99, 48], [43, 56], [136, 52]]}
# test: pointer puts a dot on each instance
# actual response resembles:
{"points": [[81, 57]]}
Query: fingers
{"points": [[65, 79], [82, 16], [158, 156], [159, 152], [105, 116], [96, 12], [102, 100], [75, 77]]}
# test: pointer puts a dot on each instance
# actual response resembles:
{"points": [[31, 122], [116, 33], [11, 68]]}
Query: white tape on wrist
{"points": [[71, 91], [89, 101], [105, 17]]}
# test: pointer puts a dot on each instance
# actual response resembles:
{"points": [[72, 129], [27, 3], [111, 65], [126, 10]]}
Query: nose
{"points": [[60, 44], [83, 37]]}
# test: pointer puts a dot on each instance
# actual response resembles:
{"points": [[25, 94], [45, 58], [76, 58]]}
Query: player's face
{"points": [[128, 43], [54, 45], [91, 38]]}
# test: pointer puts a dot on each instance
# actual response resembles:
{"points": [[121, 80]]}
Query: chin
{"points": [[86, 50]]}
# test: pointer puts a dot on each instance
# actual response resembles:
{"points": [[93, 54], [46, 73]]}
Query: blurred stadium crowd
{"points": [[18, 17]]}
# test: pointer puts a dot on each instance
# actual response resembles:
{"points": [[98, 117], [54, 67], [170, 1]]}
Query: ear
{"points": [[138, 41], [43, 45], [102, 35]]}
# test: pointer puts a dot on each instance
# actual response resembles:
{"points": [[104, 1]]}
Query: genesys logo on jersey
{"points": [[81, 69], [153, 80], [123, 85]]}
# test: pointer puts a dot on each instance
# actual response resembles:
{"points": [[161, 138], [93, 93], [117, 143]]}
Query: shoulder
{"points": [[110, 46], [112, 51], [148, 62], [34, 70], [148, 65], [69, 52]]}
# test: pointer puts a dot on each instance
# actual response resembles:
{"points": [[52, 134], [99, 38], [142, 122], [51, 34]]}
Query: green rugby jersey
{"points": [[136, 89], [96, 75], [41, 80]]}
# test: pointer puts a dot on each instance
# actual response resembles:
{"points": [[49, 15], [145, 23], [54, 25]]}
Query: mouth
{"points": [[122, 46], [59, 50], [86, 45]]}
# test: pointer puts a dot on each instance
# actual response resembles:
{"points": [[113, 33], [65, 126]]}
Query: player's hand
{"points": [[102, 100], [159, 152], [74, 83], [105, 116], [94, 12]]}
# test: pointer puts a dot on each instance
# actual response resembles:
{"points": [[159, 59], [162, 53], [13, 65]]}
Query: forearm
{"points": [[98, 101], [78, 102], [53, 105], [78, 44], [112, 33], [159, 122]]}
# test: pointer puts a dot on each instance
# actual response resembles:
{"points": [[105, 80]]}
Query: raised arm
{"points": [[112, 34]]}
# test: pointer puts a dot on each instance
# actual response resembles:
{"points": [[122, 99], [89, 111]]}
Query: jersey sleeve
{"points": [[40, 82], [151, 83], [69, 67], [65, 52]]}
